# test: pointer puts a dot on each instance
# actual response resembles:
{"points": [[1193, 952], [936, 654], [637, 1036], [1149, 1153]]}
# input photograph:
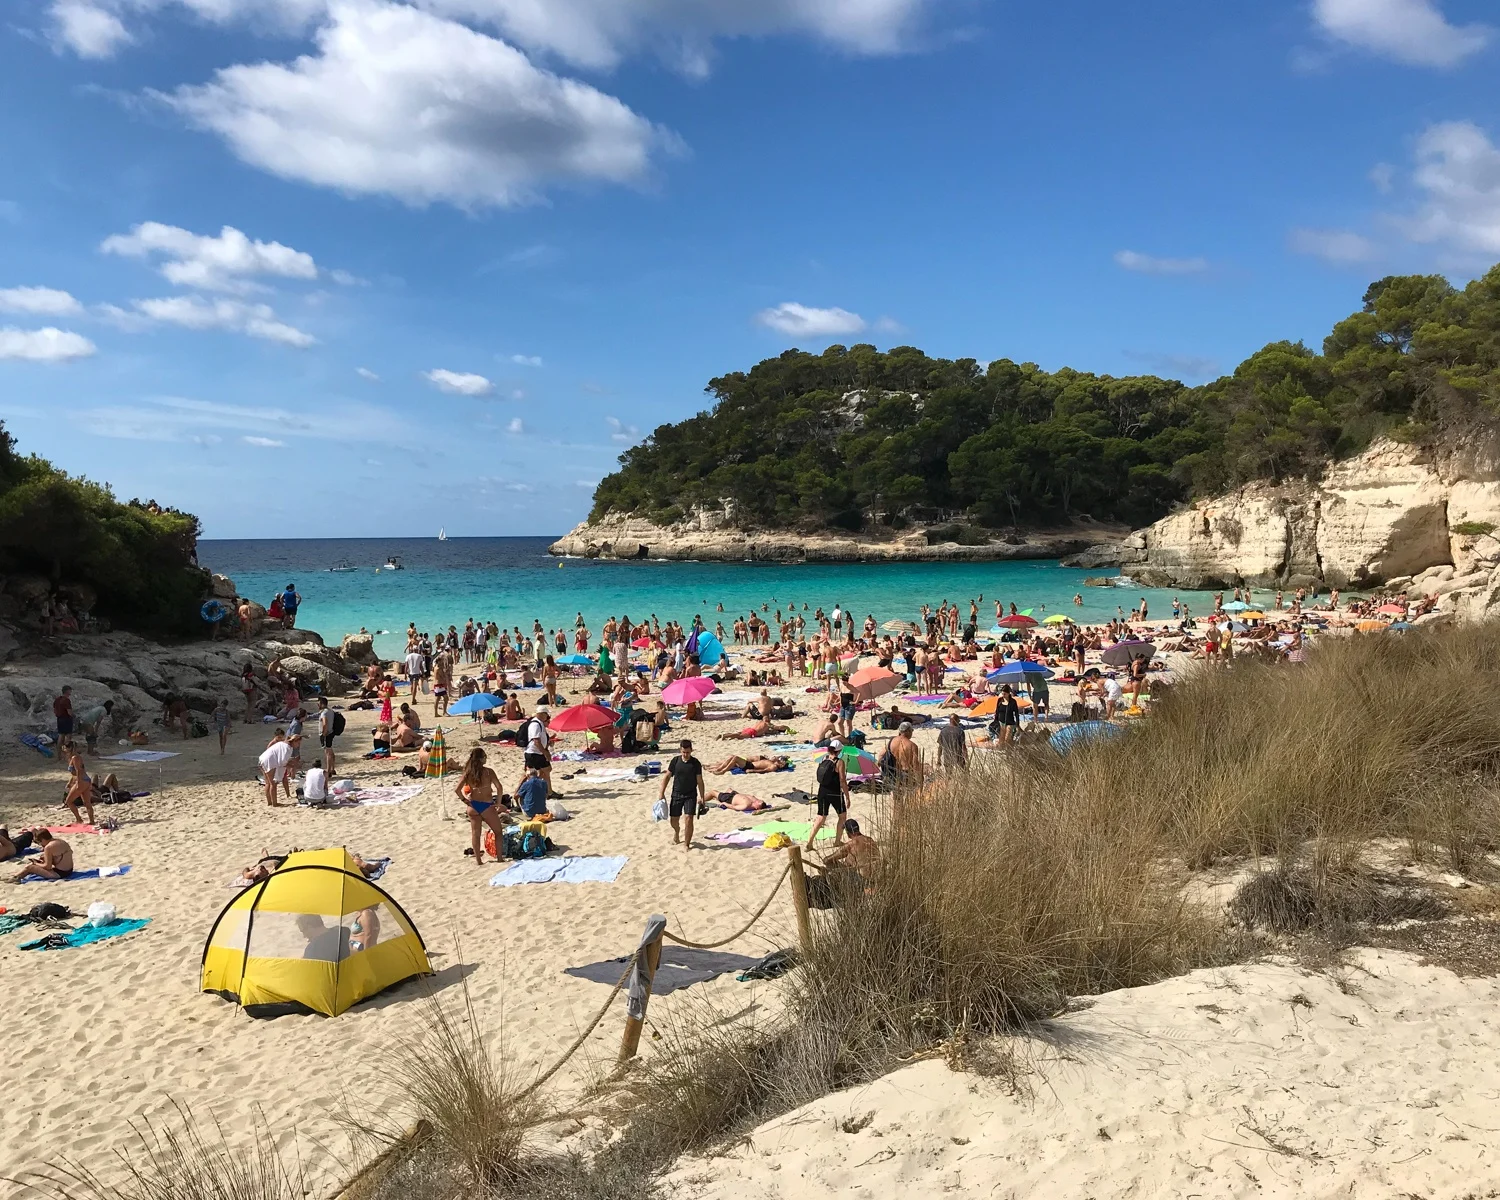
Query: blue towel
{"points": [[36, 743], [561, 870], [90, 934], [75, 876], [378, 867]]}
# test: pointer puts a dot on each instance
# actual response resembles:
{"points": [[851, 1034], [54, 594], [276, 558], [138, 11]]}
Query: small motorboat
{"points": [[393, 563], [344, 565]]}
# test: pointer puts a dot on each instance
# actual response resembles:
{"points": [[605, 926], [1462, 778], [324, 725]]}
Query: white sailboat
{"points": [[442, 535]]}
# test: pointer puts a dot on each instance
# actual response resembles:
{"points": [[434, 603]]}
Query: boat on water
{"points": [[343, 565], [393, 563], [442, 535]]}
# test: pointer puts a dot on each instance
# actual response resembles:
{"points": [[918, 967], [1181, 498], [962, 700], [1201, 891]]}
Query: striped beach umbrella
{"points": [[437, 757]]}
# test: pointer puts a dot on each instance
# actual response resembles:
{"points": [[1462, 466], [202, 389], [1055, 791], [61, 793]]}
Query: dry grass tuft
{"points": [[182, 1160]]}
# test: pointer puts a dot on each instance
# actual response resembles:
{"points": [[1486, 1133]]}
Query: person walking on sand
{"points": [[833, 793], [685, 774], [479, 789], [223, 719], [81, 789]]}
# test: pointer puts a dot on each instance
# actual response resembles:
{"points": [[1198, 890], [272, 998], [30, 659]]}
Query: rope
{"points": [[584, 1036], [667, 933]]}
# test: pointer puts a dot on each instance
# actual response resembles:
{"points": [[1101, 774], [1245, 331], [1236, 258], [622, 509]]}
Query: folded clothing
{"points": [[561, 870], [88, 935], [94, 873]]}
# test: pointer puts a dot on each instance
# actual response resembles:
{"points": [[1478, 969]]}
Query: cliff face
{"points": [[1384, 517], [707, 538]]}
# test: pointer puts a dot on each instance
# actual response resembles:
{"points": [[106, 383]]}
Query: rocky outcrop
{"points": [[1388, 514], [700, 540], [359, 649]]}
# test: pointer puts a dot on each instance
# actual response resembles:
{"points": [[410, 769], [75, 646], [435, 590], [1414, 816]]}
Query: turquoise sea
{"points": [[513, 581]]}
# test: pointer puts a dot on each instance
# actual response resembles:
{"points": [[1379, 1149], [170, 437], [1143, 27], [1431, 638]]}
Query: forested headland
{"points": [[863, 440], [134, 563]]}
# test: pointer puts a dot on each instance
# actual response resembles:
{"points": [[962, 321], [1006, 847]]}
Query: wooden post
{"points": [[631, 1041], [799, 899]]}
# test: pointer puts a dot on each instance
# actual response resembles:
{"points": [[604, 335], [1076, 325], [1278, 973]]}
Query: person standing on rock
{"points": [[291, 600]]}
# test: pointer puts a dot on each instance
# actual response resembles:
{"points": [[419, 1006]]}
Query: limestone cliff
{"points": [[1387, 516], [706, 537]]}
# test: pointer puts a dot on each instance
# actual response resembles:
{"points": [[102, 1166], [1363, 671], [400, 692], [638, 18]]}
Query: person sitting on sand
{"points": [[14, 845], [531, 794], [56, 861], [512, 710], [759, 764], [479, 789], [852, 866], [761, 706], [762, 728], [602, 685]]}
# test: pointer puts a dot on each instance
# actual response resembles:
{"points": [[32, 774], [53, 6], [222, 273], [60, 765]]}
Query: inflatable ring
{"points": [[213, 611]]}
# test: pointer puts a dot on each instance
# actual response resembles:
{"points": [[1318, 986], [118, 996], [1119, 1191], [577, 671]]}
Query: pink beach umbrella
{"points": [[688, 691]]}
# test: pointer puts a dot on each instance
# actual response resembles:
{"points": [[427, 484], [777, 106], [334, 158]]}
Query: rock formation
{"points": [[697, 539], [1397, 516]]}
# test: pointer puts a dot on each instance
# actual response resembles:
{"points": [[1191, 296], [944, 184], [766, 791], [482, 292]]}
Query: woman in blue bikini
{"points": [[479, 789]]}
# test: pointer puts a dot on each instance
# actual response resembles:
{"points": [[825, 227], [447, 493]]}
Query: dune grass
{"points": [[1003, 891]]}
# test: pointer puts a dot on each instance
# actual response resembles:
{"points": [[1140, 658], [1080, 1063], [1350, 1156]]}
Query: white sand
{"points": [[1251, 1081]]}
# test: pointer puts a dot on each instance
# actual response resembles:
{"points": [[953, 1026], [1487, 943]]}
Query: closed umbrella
{"points": [[874, 681], [1122, 653], [437, 755], [1019, 621], [583, 718], [478, 702], [688, 691]]}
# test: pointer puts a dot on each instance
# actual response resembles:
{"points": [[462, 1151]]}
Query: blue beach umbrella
{"points": [[478, 702], [1236, 606], [1021, 672], [1069, 737], [575, 660]]}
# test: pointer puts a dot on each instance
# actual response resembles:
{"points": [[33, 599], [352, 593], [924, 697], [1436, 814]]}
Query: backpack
{"points": [[526, 844], [523, 733], [337, 724]]}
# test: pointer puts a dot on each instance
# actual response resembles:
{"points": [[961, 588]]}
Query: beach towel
{"points": [[88, 935], [36, 743], [371, 797], [796, 830], [94, 873], [739, 837], [142, 756], [561, 870], [680, 967], [607, 775], [792, 748], [937, 698], [76, 829], [10, 922], [378, 867]]}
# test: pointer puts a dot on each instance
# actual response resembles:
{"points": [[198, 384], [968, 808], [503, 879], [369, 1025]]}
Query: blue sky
{"points": [[366, 268]]}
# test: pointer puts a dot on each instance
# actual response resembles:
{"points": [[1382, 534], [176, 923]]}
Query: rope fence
{"points": [[644, 959]]}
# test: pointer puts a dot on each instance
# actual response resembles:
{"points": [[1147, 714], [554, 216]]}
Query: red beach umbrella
{"points": [[583, 718], [1019, 621]]}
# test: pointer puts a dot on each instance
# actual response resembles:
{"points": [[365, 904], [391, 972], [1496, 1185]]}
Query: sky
{"points": [[322, 268]]}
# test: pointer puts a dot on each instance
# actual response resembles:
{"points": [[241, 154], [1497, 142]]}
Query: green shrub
{"points": [[1473, 528]]}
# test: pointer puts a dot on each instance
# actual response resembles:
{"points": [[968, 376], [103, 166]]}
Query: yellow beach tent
{"points": [[316, 936]]}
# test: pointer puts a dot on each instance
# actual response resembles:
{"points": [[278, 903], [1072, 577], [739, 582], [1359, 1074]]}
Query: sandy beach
{"points": [[1140, 1092]]}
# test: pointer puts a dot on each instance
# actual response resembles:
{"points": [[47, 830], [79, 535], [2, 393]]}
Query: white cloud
{"points": [[227, 263], [366, 373], [400, 102], [1383, 177], [1341, 246], [38, 301], [265, 442], [1413, 32], [179, 419], [44, 345], [798, 320], [518, 487], [458, 384], [515, 426], [1148, 264], [233, 316], [87, 29], [621, 433], [590, 484], [526, 360], [598, 34], [1458, 168]]}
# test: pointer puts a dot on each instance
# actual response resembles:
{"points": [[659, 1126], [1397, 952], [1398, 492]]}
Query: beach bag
{"points": [[525, 844], [338, 723], [659, 811], [48, 911], [101, 912]]}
